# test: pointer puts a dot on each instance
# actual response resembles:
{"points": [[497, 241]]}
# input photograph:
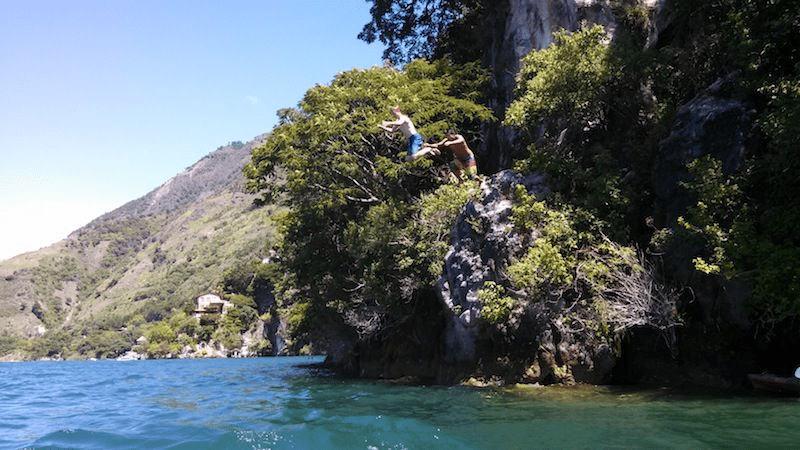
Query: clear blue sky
{"points": [[102, 101]]}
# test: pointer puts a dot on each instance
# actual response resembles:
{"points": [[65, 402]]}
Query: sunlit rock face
{"points": [[535, 345], [529, 25], [483, 241]]}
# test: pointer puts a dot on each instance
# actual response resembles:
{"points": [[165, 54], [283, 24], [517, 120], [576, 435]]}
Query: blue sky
{"points": [[102, 101]]}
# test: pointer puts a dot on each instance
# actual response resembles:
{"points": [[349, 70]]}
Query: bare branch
{"points": [[362, 200], [371, 197], [636, 298], [359, 286]]}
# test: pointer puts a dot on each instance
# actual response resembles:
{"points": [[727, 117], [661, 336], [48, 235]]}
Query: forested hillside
{"points": [[137, 270]]}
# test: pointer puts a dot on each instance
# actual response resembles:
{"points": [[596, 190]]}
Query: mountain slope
{"points": [[134, 265]]}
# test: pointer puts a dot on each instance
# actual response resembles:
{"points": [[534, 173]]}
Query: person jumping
{"points": [[403, 123]]}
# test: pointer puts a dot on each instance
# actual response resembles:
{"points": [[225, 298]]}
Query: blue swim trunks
{"points": [[414, 143]]}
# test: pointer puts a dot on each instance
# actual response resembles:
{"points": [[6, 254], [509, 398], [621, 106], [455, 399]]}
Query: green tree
{"points": [[350, 194], [231, 327], [593, 117], [183, 323], [52, 344], [416, 29], [571, 261], [105, 344], [566, 82], [162, 339]]}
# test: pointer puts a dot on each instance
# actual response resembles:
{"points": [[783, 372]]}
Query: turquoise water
{"points": [[282, 403]]}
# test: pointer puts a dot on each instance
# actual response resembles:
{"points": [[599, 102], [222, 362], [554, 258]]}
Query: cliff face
{"points": [[540, 342], [475, 257], [718, 124], [525, 25], [538, 345], [547, 335]]}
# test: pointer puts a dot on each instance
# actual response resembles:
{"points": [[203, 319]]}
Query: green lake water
{"points": [[285, 403]]}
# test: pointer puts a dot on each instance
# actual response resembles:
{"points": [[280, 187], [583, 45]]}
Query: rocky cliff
{"points": [[542, 342], [525, 25], [565, 335]]}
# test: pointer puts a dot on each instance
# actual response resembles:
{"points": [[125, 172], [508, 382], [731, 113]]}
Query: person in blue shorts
{"points": [[403, 123]]}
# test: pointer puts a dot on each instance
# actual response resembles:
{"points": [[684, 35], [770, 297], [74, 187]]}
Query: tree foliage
{"points": [[582, 103], [570, 263], [747, 220], [579, 105], [348, 241], [566, 81], [412, 29]]}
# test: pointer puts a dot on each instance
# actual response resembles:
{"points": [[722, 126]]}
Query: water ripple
{"points": [[280, 403]]}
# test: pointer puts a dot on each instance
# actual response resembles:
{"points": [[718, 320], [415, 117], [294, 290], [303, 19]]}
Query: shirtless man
{"points": [[463, 158], [415, 141]]}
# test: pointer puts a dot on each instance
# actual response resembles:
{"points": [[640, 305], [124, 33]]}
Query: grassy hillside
{"points": [[96, 292]]}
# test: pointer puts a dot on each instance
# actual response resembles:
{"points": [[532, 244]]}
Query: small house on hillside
{"points": [[210, 304]]}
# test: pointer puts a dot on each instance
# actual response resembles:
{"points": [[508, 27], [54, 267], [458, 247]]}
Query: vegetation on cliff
{"points": [[365, 230], [745, 219], [591, 110], [609, 101]]}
